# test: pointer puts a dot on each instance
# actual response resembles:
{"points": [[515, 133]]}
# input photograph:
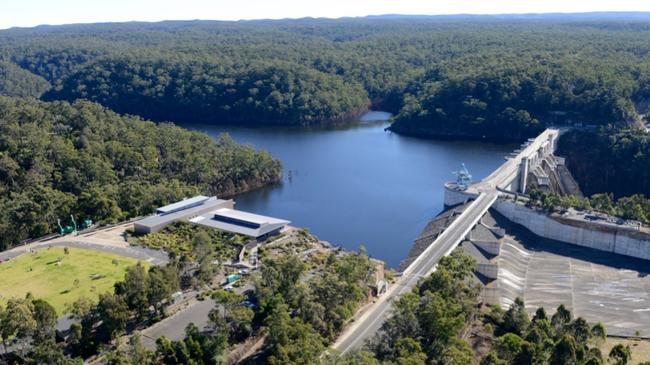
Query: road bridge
{"points": [[507, 177]]}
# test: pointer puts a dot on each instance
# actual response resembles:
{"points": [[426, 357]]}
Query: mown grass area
{"points": [[61, 278]]}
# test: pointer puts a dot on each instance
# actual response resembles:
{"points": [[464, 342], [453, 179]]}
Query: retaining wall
{"points": [[620, 240]]}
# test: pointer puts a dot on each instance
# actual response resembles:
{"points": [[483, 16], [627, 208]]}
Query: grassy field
{"points": [[640, 348], [61, 278]]}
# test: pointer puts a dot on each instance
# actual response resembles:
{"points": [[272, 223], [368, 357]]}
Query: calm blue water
{"points": [[359, 185]]}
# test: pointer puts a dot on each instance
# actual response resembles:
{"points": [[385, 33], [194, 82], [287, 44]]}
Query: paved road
{"points": [[174, 327], [504, 174], [366, 326], [155, 257]]}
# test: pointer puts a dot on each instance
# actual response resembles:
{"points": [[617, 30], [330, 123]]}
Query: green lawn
{"points": [[40, 274]]}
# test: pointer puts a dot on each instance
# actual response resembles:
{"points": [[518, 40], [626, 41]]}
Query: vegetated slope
{"points": [[609, 160], [15, 81], [514, 100], [453, 77], [187, 90], [612, 166], [58, 159], [441, 322]]}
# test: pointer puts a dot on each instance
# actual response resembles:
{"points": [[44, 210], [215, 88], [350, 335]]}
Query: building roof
{"points": [[183, 204], [236, 221], [248, 217], [157, 219]]}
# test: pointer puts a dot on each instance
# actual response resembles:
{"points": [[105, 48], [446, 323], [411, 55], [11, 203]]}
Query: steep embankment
{"points": [[58, 159], [609, 161]]}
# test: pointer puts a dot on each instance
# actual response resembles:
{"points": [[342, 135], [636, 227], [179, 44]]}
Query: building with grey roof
{"points": [[184, 210], [214, 213], [183, 204], [244, 223]]}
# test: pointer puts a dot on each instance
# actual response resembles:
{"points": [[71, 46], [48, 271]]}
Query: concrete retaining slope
{"points": [[604, 237]]}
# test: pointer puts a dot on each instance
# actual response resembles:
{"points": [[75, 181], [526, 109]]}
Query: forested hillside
{"points": [[15, 81], [501, 78], [609, 161], [452, 77], [58, 159], [187, 90]]}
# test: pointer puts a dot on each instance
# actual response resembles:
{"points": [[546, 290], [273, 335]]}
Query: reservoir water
{"points": [[359, 185]]}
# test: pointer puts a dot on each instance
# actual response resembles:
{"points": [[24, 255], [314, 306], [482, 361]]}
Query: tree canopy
{"points": [[495, 78], [59, 159]]}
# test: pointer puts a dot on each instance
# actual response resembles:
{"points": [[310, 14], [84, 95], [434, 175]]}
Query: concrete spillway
{"points": [[597, 285]]}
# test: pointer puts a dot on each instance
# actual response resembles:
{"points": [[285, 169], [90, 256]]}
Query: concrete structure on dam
{"points": [[615, 236], [532, 160], [533, 164], [597, 285]]}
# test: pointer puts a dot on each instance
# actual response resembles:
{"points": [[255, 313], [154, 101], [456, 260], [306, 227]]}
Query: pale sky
{"points": [[27, 13]]}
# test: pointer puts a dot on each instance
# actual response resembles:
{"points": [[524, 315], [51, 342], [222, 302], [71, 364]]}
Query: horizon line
{"points": [[560, 13]]}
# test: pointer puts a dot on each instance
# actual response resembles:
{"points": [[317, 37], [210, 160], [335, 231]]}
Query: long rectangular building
{"points": [[181, 211], [183, 204], [244, 223]]}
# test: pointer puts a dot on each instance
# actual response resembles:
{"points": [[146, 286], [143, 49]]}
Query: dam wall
{"points": [[608, 237], [454, 196]]}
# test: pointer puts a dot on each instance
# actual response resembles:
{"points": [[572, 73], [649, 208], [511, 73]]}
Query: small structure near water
{"points": [[463, 178], [456, 191]]}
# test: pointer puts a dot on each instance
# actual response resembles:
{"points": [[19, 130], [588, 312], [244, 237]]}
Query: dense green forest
{"points": [[610, 160], [58, 159], [187, 90], [444, 77], [452, 77], [15, 81]]}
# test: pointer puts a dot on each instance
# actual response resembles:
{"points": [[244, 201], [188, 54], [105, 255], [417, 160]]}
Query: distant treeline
{"points": [[501, 79], [58, 159]]}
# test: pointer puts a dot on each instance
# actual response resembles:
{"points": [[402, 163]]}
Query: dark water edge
{"points": [[357, 184]]}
